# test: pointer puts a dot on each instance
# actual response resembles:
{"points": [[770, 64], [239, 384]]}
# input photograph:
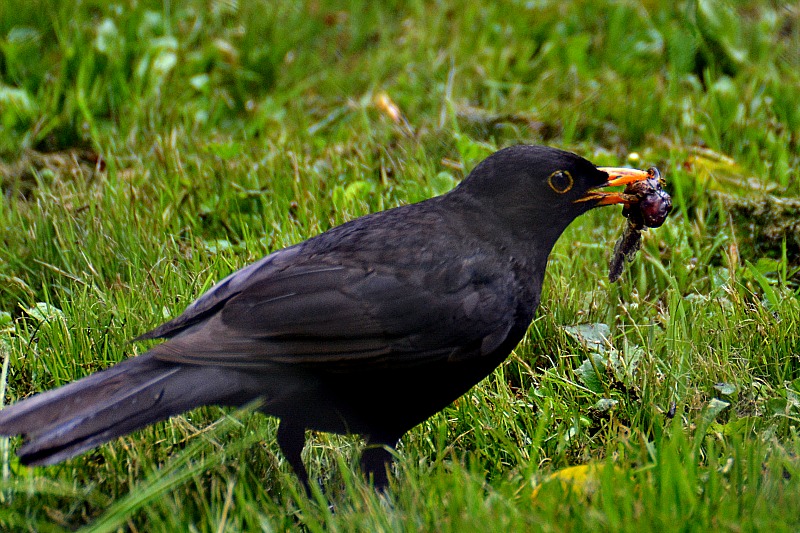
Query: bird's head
{"points": [[538, 189]]}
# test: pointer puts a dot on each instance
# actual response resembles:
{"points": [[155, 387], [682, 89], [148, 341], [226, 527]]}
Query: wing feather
{"points": [[322, 311]]}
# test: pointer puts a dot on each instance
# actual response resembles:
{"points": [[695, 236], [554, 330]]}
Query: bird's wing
{"points": [[327, 311]]}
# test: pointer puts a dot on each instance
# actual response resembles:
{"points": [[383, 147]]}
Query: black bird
{"points": [[369, 328]]}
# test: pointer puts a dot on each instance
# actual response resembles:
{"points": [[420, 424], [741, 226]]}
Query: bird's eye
{"points": [[560, 181]]}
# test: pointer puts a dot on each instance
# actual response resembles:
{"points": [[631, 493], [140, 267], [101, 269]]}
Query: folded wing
{"points": [[325, 311]]}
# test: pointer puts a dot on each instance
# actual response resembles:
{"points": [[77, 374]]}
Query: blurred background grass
{"points": [[149, 148]]}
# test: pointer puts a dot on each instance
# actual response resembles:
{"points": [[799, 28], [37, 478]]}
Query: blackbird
{"points": [[368, 328]]}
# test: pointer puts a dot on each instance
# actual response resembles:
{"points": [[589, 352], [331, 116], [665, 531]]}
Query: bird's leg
{"points": [[376, 460], [291, 439]]}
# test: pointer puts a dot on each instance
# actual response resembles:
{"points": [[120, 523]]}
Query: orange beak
{"points": [[617, 176]]}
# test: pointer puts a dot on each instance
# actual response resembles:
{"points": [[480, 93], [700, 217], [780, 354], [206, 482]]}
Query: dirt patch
{"points": [[20, 178]]}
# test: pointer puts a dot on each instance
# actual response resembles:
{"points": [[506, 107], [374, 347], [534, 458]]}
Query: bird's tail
{"points": [[67, 421]]}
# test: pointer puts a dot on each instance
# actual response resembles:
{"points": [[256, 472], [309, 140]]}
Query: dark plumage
{"points": [[368, 328]]}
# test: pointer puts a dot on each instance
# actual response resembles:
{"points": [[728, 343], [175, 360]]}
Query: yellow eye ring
{"points": [[560, 181]]}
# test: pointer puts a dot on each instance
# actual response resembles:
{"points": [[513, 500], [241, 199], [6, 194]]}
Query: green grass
{"points": [[231, 129]]}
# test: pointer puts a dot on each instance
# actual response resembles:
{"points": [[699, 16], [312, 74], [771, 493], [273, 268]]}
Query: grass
{"points": [[226, 130]]}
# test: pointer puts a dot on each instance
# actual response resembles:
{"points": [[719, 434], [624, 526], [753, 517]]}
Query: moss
{"points": [[763, 223]]}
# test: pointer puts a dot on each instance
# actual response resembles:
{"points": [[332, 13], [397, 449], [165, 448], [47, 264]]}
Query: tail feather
{"points": [[65, 422], [47, 408]]}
